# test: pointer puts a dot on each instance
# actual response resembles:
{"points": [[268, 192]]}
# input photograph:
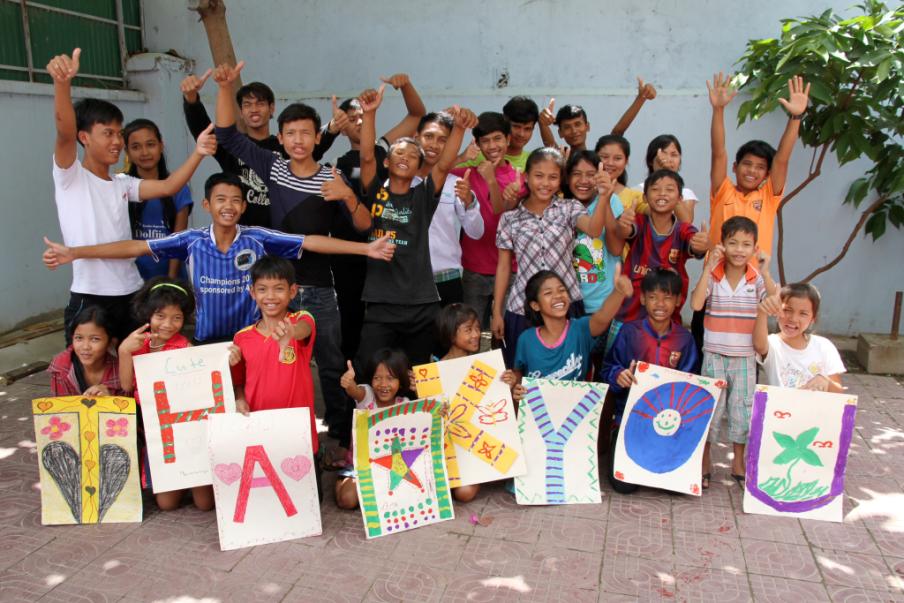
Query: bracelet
{"points": [[798, 117]]}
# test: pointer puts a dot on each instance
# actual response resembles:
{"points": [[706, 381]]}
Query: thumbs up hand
{"points": [[605, 185], [463, 189], [339, 120], [336, 189], [348, 377], [62, 68], [547, 115], [700, 243], [626, 219]]}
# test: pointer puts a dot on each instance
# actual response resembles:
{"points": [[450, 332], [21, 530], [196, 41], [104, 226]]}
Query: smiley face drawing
{"points": [[667, 422]]}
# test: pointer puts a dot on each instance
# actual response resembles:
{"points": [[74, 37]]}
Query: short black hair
{"points": [[436, 117], [659, 175], [222, 178], [661, 279], [411, 141], [396, 362], [449, 319], [737, 224], [298, 112], [271, 266], [521, 110], [350, 103], [660, 143], [160, 292], [90, 111], [757, 148], [570, 112], [257, 90], [489, 122]]}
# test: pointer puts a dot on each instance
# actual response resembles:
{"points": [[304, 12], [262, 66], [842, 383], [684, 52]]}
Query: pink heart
{"points": [[296, 467], [228, 472]]}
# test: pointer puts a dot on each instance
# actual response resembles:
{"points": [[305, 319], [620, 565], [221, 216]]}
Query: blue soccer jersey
{"points": [[221, 280]]}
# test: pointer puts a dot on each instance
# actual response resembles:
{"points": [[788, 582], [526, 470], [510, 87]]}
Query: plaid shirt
{"points": [[540, 243]]}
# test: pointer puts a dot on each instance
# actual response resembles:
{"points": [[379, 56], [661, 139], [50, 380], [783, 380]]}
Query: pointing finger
{"points": [[335, 104]]}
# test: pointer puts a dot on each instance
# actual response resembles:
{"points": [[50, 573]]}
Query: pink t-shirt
{"points": [[480, 255]]}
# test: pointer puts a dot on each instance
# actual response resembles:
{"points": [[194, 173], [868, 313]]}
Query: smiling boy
{"points": [[219, 257]]}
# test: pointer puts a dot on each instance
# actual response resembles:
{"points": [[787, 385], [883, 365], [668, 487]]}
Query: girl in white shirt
{"points": [[794, 357]]}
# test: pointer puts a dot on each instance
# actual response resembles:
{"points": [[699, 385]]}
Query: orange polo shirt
{"points": [[760, 206]]}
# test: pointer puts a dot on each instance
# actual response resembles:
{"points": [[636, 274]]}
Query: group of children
{"points": [[420, 248]]}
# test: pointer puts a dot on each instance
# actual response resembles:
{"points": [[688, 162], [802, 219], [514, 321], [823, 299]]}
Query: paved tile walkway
{"points": [[648, 546]]}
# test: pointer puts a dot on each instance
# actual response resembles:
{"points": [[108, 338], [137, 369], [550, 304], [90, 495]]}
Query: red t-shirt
{"points": [[176, 342], [275, 379]]}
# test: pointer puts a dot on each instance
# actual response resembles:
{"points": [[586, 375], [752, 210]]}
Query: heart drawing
{"points": [[296, 467], [228, 473]]}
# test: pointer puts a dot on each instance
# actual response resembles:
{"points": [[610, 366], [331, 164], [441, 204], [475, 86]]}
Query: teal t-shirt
{"points": [[568, 360], [593, 263]]}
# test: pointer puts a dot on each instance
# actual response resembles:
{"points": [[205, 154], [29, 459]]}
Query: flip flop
{"points": [[739, 478], [705, 481]]}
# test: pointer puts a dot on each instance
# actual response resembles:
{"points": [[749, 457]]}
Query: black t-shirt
{"points": [[256, 193], [350, 166], [408, 278]]}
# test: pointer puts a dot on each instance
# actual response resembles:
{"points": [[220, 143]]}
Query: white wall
{"points": [[579, 51]]}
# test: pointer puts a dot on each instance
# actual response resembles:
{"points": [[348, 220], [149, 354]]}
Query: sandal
{"points": [[739, 478], [705, 481]]}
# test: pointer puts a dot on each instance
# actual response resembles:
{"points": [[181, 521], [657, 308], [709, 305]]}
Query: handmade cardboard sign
{"points": [[559, 424], [178, 390], [482, 443], [87, 460], [664, 428], [797, 452], [264, 479], [401, 470]]}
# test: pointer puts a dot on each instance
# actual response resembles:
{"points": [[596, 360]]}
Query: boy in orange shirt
{"points": [[760, 171], [275, 366]]}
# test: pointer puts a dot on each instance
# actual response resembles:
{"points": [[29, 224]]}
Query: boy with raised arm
{"points": [[257, 106], [92, 204], [306, 198], [219, 257], [523, 114]]}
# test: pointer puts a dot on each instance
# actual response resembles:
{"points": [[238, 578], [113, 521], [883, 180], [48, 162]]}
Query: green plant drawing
{"points": [[794, 450]]}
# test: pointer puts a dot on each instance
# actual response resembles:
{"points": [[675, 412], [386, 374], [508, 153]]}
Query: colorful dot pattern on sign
{"points": [[397, 520]]}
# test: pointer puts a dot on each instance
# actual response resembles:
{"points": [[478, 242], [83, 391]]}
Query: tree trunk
{"points": [[213, 16]]}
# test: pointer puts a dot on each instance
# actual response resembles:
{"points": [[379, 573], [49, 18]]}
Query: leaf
{"points": [[786, 456], [810, 458], [896, 216], [857, 191], [806, 438], [876, 225], [785, 441]]}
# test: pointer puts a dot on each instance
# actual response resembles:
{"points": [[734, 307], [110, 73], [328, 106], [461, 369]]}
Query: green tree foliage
{"points": [[855, 68]]}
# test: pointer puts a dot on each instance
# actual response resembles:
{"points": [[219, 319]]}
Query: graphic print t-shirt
{"points": [[567, 360]]}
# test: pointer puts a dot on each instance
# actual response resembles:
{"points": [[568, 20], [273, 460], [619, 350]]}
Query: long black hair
{"points": [[95, 315], [136, 210]]}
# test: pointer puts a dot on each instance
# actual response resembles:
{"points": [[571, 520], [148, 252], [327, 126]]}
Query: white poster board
{"points": [[797, 452], [482, 443], [559, 424], [264, 482], [178, 389], [664, 428]]}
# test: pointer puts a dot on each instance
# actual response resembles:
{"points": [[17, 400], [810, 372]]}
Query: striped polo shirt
{"points": [[731, 312], [221, 280]]}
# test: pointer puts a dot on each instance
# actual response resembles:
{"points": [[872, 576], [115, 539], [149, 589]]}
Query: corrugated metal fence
{"points": [[106, 30]]}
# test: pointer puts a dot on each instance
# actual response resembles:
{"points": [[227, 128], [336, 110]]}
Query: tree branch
{"points": [[847, 244]]}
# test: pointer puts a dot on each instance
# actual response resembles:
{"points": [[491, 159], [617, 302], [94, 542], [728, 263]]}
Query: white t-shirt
{"points": [[369, 402], [93, 211], [686, 193], [787, 367], [445, 228]]}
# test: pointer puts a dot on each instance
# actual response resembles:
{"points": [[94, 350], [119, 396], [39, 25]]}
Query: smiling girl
{"points": [[87, 367]]}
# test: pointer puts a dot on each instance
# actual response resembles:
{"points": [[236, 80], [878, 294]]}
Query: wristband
{"points": [[798, 117]]}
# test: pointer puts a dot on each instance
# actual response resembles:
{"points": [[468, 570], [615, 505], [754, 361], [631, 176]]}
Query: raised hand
{"points": [[335, 189], [605, 185], [463, 189], [381, 249], [566, 152], [471, 152], [771, 305], [645, 91], [133, 342], [62, 68], [192, 84], [715, 256], [371, 99], [464, 118], [512, 193], [700, 241], [720, 91], [348, 377], [626, 378], [56, 255], [225, 73], [397, 81], [798, 96], [340, 119], [622, 283], [235, 355], [547, 115], [626, 219], [667, 161], [207, 142]]}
